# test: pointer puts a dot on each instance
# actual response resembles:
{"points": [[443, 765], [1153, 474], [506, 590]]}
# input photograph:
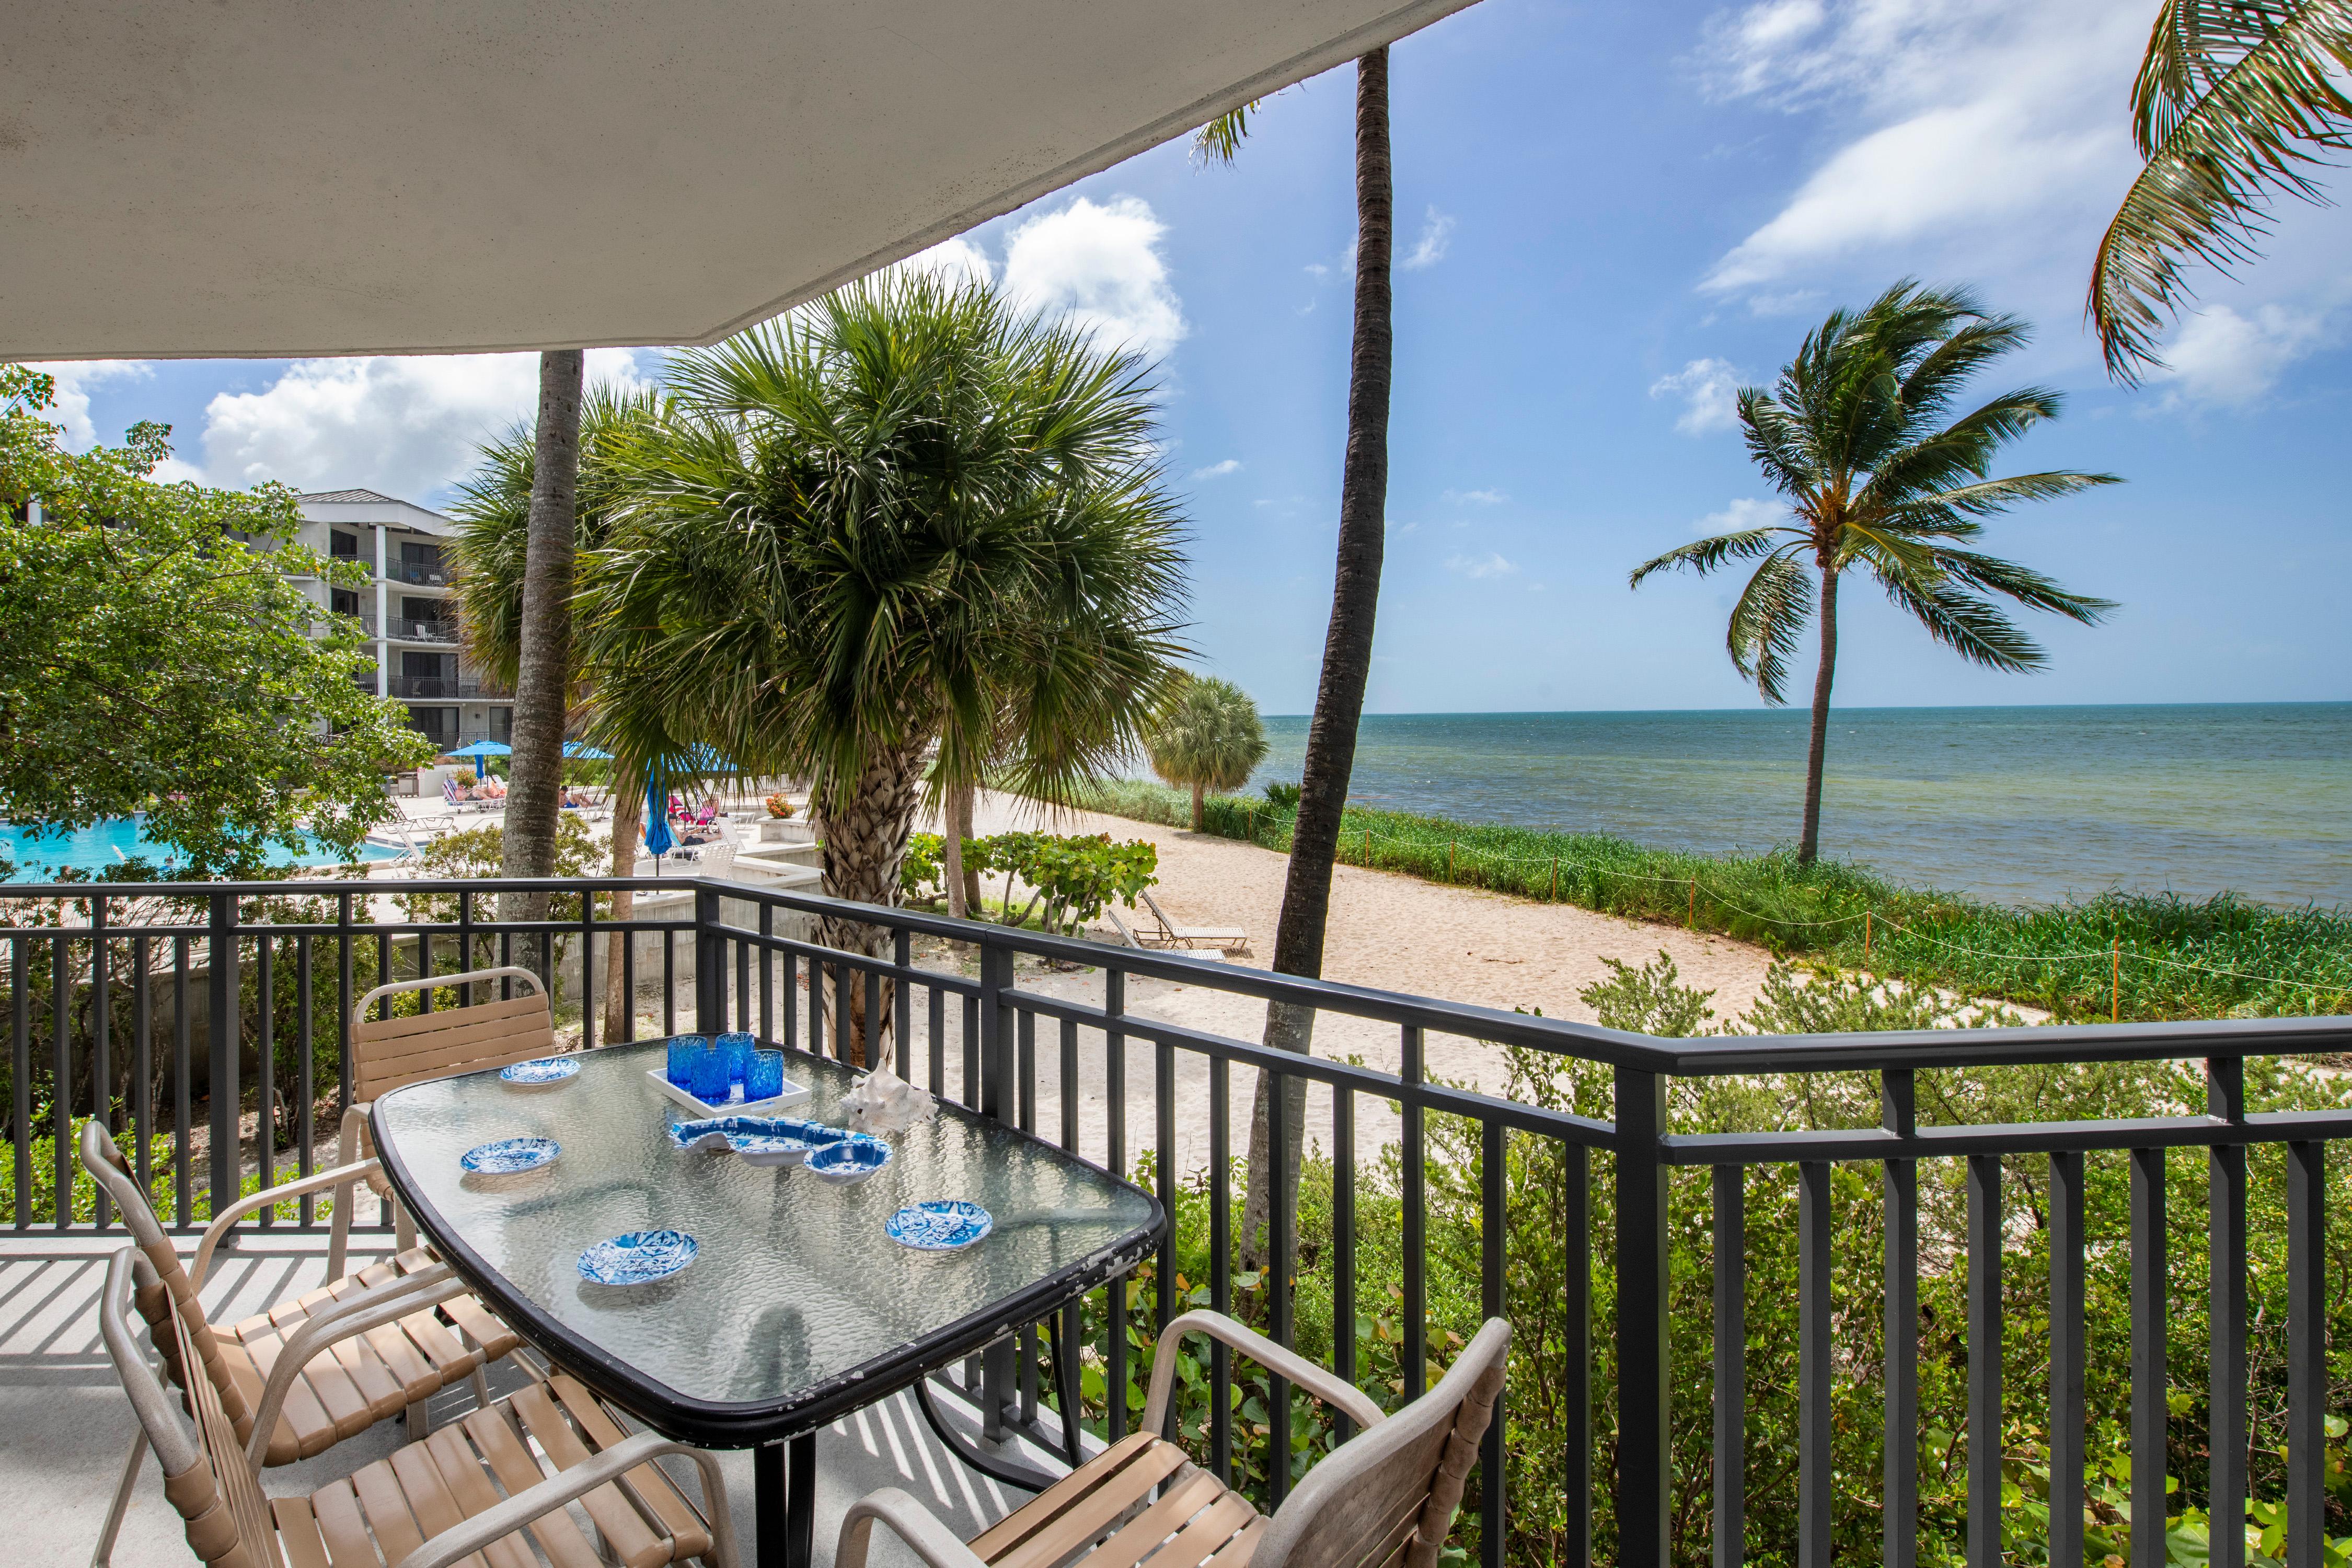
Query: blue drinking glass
{"points": [[710, 1082], [736, 1048], [683, 1050], [764, 1074]]}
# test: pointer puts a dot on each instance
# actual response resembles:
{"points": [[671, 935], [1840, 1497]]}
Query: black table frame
{"points": [[780, 1433]]}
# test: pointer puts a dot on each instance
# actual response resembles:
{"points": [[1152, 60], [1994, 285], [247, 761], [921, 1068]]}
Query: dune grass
{"points": [[2121, 955]]}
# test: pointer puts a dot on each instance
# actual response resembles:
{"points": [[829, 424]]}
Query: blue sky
{"points": [[1608, 217]]}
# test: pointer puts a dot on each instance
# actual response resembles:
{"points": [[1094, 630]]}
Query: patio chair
{"points": [[457, 800], [473, 1487], [293, 1381], [1385, 1499], [390, 1053], [1228, 939]]}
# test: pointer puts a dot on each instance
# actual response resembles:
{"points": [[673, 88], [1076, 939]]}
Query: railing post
{"points": [[710, 964], [2225, 1097], [1643, 1458], [996, 1031], [224, 1015]]}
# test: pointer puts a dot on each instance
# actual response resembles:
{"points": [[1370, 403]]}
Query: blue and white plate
{"points": [[542, 1070], [941, 1225], [640, 1258], [759, 1140], [508, 1156], [847, 1160]]}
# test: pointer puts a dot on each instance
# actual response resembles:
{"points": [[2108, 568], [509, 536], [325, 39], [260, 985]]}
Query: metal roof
{"points": [[278, 177]]}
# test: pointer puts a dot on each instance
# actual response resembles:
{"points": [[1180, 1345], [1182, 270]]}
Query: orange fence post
{"points": [[2115, 986], [1555, 879], [1866, 936], [1449, 860], [1690, 915]]}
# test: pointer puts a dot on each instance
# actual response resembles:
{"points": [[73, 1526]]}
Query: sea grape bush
{"points": [[1071, 878]]}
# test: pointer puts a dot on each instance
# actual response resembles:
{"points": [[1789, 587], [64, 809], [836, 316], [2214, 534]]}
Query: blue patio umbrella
{"points": [[480, 751], [581, 751], [658, 835]]}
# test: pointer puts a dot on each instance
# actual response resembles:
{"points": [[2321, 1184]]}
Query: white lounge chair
{"points": [[1228, 939]]}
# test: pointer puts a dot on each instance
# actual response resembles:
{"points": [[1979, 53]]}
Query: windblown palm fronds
{"points": [[2236, 103], [1859, 437]]}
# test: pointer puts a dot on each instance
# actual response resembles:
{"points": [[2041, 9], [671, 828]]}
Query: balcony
{"points": [[442, 630], [1674, 1294], [437, 688], [416, 575]]}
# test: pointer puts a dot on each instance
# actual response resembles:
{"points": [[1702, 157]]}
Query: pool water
{"points": [[110, 843]]}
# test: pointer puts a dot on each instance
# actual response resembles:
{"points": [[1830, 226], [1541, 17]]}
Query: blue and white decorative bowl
{"points": [[759, 1140], [941, 1225], [639, 1257], [509, 1156], [847, 1162], [541, 1070]]}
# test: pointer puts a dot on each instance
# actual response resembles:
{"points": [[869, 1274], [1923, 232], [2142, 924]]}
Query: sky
{"points": [[1608, 218]]}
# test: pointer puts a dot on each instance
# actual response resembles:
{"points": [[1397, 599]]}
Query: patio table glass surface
{"points": [[799, 1307]]}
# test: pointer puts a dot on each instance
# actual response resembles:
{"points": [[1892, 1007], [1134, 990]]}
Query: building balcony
{"points": [[442, 630], [440, 688]]}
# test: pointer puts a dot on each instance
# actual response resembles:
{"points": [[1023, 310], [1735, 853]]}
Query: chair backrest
{"points": [[166, 1293], [206, 1478], [718, 859], [1386, 1498], [390, 1053], [1166, 927]]}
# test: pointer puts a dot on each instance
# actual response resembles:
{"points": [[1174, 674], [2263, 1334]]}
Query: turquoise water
{"points": [[2024, 805], [108, 843]]}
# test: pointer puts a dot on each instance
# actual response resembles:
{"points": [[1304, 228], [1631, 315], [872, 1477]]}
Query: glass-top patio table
{"points": [[799, 1308]]}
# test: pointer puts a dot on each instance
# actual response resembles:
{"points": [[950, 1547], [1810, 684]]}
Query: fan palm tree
{"points": [[2236, 101], [1209, 738], [1355, 605], [542, 686], [906, 520], [1858, 435]]}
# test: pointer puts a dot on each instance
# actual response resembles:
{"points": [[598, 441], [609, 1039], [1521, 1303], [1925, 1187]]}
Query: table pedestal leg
{"points": [[783, 1502]]}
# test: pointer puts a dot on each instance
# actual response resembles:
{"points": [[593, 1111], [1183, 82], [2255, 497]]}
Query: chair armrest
{"points": [[339, 1175], [355, 1314], [537, 1502], [910, 1521], [1322, 1382]]}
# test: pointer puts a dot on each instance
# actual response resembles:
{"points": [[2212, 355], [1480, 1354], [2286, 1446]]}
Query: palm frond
{"points": [[1768, 621], [2252, 131], [1970, 626], [1704, 555], [2024, 584], [1220, 140]]}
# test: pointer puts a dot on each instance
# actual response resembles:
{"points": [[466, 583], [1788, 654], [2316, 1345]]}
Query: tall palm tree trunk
{"points": [[1346, 647], [628, 823], [865, 826], [1817, 752], [1200, 804], [967, 811], [955, 827], [543, 677]]}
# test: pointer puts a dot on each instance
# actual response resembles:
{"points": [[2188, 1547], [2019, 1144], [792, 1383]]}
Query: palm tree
{"points": [[1857, 436], [2235, 102], [1355, 605], [494, 514], [542, 686], [1210, 737], [904, 521]]}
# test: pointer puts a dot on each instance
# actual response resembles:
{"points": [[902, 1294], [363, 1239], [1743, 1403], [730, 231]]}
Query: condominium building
{"points": [[409, 612]]}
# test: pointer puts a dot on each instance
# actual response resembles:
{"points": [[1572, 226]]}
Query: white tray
{"points": [[793, 1095]]}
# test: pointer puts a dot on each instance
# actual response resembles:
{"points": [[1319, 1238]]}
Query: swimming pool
{"points": [[110, 843]]}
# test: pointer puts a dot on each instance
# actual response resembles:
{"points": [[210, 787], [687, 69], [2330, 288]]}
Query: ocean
{"points": [[2018, 804]]}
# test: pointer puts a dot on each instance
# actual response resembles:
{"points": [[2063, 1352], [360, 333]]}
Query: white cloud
{"points": [[957, 260], [1992, 123], [74, 380], [403, 425], [2222, 357], [1475, 498], [1709, 389], [1219, 470], [1436, 237], [1487, 566], [1742, 514], [1100, 263]]}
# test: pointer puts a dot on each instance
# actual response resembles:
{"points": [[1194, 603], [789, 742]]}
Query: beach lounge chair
{"points": [[473, 1487], [313, 1370], [458, 800], [1384, 1500], [1167, 933]]}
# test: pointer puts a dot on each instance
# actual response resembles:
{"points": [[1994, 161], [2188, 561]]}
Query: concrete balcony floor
{"points": [[65, 1424]]}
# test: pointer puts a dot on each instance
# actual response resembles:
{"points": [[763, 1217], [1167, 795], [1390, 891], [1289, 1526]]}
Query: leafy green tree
{"points": [[1355, 606], [908, 520], [1858, 435], [155, 658], [2236, 101], [1209, 739]]}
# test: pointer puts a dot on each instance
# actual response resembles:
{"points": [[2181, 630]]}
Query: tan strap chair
{"points": [[1384, 1500], [393, 1052], [496, 1483], [325, 1365]]}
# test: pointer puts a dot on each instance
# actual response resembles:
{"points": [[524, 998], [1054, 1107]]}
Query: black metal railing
{"points": [[104, 1003]]}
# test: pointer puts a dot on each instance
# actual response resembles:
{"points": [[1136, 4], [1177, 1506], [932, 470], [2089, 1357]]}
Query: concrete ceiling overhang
{"points": [[282, 177]]}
